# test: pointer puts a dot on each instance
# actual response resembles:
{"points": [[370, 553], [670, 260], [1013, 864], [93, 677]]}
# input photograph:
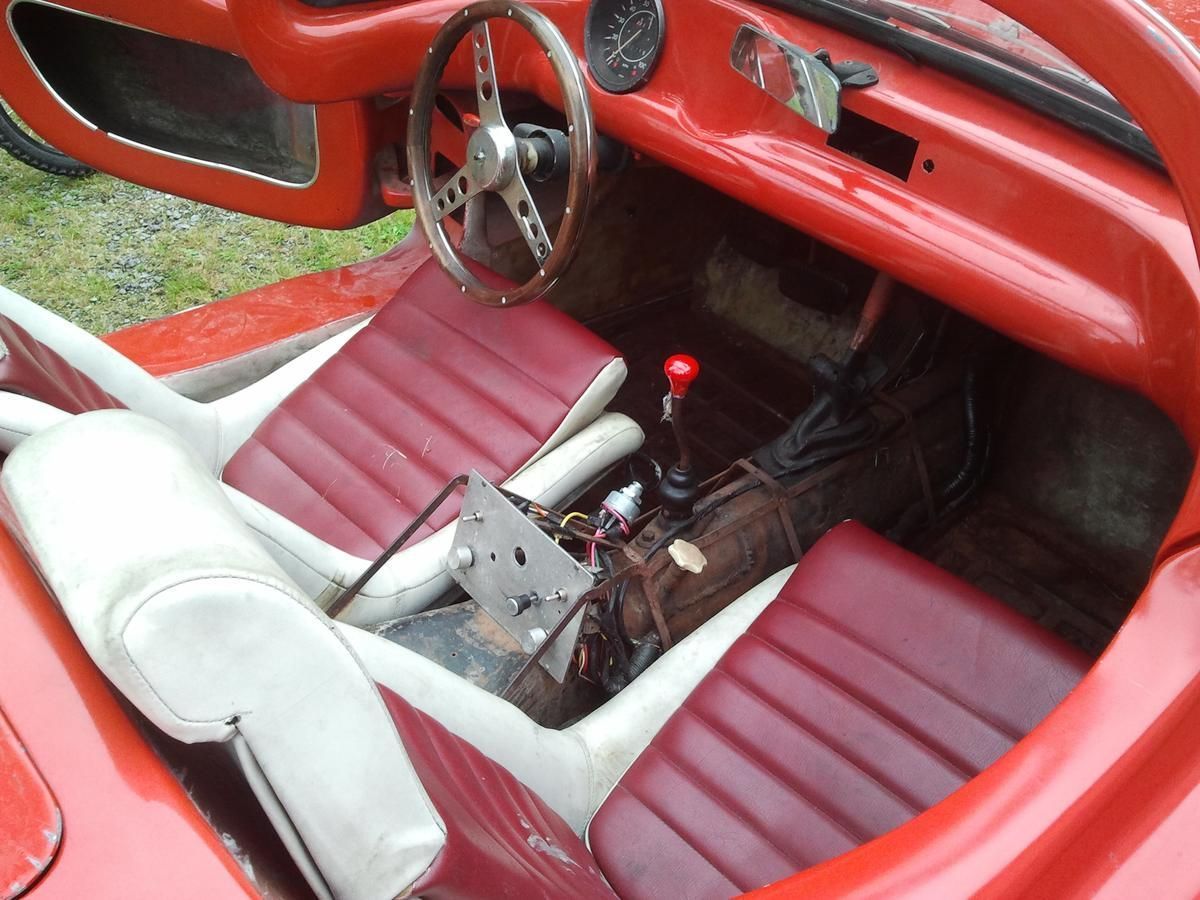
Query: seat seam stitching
{"points": [[324, 495], [854, 698], [454, 328], [712, 865], [778, 779], [749, 690], [433, 414], [311, 487], [384, 489], [443, 474], [863, 642], [453, 376], [694, 779]]}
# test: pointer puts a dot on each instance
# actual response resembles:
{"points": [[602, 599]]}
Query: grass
{"points": [[106, 253]]}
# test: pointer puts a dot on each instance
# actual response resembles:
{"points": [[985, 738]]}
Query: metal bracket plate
{"points": [[498, 555]]}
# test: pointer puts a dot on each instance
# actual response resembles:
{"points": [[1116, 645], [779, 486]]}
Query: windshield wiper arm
{"points": [[889, 9], [1098, 114]]}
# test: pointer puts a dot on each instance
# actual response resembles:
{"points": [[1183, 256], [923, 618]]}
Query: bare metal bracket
{"points": [[515, 571]]}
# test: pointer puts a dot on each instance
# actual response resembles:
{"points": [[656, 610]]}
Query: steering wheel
{"points": [[497, 160]]}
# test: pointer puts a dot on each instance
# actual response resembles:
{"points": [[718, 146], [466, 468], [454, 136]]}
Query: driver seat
{"points": [[329, 457]]}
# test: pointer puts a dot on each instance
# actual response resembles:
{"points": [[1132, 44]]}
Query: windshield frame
{"points": [[1108, 122]]}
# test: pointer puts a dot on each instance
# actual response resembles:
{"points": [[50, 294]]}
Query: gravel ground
{"points": [[106, 253]]}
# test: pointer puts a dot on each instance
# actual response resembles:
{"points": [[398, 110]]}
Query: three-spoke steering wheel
{"points": [[496, 159]]}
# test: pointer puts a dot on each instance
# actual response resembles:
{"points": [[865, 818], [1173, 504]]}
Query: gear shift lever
{"points": [[679, 488]]}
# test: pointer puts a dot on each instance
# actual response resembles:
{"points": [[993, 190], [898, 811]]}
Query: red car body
{"points": [[1104, 795]]}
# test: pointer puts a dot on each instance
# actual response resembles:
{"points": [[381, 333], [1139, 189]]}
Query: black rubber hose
{"points": [[642, 658], [975, 444], [618, 602], [964, 482], [613, 628], [643, 655]]}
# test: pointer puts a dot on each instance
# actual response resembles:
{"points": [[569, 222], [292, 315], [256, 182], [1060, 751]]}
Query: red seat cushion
{"points": [[871, 688], [501, 839], [434, 386]]}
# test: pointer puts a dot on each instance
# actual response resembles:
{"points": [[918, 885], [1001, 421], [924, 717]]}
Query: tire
{"points": [[23, 145]]}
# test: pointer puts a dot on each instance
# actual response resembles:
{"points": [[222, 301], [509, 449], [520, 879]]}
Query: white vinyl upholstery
{"points": [[197, 626], [22, 416]]}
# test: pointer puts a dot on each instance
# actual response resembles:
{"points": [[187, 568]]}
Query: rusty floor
{"points": [[1023, 560]]}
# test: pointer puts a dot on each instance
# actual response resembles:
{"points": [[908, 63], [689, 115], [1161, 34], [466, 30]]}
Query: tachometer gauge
{"points": [[623, 39]]}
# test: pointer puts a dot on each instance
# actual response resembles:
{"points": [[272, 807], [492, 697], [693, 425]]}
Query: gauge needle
{"points": [[629, 40]]}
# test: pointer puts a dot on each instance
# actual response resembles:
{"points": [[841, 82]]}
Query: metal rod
{"points": [[339, 605], [685, 454], [876, 307]]}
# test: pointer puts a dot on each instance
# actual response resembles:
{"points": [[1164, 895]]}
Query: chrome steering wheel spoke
{"points": [[486, 91], [460, 188], [529, 220]]}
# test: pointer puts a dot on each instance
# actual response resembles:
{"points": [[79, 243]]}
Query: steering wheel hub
{"points": [[492, 157]]}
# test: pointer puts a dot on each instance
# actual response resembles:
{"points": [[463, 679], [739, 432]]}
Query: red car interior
{"points": [[869, 690], [941, 356]]}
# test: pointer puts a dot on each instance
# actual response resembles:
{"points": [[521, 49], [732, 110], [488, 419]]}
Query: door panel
{"points": [[151, 93]]}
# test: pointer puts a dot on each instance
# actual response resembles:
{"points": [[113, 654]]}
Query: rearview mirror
{"points": [[797, 79]]}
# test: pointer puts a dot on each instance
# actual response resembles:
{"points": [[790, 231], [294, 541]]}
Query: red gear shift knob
{"points": [[681, 371]]}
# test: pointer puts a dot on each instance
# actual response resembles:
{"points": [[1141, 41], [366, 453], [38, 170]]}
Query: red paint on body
{"points": [[30, 822], [129, 828], [257, 319]]}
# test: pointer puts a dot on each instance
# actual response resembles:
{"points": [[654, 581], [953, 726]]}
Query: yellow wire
{"points": [[563, 524], [569, 516]]}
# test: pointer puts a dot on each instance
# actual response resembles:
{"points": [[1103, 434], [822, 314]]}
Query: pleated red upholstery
{"points": [[502, 841], [872, 687], [434, 386], [31, 368]]}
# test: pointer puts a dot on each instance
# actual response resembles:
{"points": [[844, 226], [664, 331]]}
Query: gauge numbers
{"points": [[623, 39]]}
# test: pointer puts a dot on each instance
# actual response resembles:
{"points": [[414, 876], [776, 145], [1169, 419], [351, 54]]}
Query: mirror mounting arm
{"points": [[851, 73]]}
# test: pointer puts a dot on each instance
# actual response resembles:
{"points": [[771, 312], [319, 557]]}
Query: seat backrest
{"points": [[33, 369], [47, 358], [181, 608]]}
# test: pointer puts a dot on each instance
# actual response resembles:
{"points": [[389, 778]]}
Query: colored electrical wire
{"points": [[569, 516]]}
